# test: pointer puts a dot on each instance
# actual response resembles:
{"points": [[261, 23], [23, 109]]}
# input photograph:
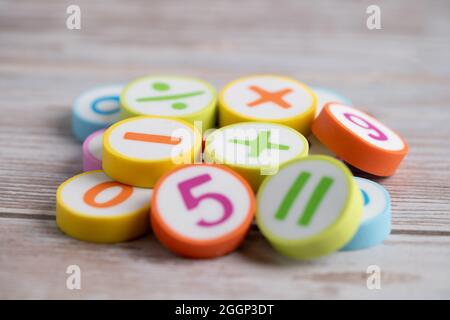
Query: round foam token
{"points": [[95, 109], [139, 150], [268, 98], [93, 207], [255, 149], [92, 151], [178, 97], [360, 139], [325, 96], [376, 218], [310, 208], [202, 211]]}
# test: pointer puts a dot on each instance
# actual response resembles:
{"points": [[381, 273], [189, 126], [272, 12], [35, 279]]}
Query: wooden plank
{"points": [[35, 255]]}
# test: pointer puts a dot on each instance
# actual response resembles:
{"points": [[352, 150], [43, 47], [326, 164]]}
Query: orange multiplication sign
{"points": [[266, 96], [91, 194], [155, 138]]}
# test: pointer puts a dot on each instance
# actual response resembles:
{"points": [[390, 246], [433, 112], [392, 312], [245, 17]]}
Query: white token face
{"points": [[303, 199], [375, 198], [268, 97], [95, 194], [95, 145], [100, 105], [324, 96], [256, 144], [151, 138], [367, 127], [167, 96], [203, 202]]}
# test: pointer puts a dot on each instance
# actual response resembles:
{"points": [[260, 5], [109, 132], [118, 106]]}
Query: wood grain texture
{"points": [[400, 74]]}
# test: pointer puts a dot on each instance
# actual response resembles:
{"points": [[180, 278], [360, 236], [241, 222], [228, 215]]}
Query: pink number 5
{"points": [[380, 135], [192, 201]]}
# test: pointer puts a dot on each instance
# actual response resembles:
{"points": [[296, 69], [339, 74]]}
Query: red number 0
{"points": [[192, 201]]}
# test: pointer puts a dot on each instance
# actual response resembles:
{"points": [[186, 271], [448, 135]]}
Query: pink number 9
{"points": [[191, 201], [380, 135]]}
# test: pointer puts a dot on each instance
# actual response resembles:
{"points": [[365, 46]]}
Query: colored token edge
{"points": [[328, 240], [196, 248], [74, 223], [373, 231]]}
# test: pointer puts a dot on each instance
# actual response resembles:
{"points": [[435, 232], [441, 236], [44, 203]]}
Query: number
{"points": [[365, 197], [192, 202], [91, 194], [313, 202], [105, 112], [381, 136]]}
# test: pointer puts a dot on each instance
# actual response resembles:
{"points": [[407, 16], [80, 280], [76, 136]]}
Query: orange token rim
{"points": [[382, 162], [189, 246]]}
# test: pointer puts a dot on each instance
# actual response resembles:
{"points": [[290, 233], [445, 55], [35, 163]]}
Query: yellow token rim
{"points": [[328, 231], [60, 200], [124, 104], [195, 148], [207, 152], [230, 109]]}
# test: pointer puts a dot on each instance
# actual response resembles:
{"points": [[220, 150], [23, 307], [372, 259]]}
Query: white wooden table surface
{"points": [[400, 74]]}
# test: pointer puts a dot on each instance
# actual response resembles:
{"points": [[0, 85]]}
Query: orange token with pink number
{"points": [[202, 211], [93, 207], [360, 139]]}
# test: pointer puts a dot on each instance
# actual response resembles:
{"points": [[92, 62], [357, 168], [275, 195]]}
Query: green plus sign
{"points": [[261, 143]]}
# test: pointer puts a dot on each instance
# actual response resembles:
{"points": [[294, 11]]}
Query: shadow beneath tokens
{"points": [[257, 250]]}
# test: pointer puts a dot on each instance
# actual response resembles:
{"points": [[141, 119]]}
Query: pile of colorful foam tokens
{"points": [[198, 169]]}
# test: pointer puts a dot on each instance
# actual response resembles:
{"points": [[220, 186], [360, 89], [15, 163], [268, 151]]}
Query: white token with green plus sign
{"points": [[255, 149], [310, 208]]}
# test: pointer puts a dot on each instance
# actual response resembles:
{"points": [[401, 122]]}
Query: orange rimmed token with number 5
{"points": [[202, 211], [93, 207], [359, 139]]}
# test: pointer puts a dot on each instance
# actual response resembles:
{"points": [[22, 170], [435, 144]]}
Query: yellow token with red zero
{"points": [[360, 139], [201, 210], [93, 207]]}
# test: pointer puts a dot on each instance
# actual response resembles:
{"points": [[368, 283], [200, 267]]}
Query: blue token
{"points": [[95, 109], [376, 219], [326, 95]]}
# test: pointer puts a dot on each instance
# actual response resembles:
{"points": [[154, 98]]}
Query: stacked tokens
{"points": [[255, 149], [166, 154]]}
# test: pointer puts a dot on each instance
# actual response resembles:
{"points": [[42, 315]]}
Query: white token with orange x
{"points": [[268, 98]]}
